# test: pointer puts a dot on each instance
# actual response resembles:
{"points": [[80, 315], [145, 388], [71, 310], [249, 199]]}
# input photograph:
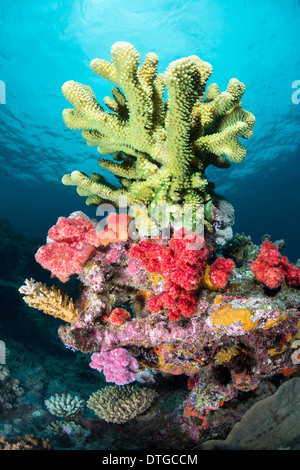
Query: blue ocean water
{"points": [[45, 43]]}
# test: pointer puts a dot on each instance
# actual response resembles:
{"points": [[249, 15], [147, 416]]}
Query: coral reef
{"points": [[29, 442], [239, 248], [233, 337], [120, 404], [271, 424], [160, 149], [67, 433], [10, 389], [211, 307]]}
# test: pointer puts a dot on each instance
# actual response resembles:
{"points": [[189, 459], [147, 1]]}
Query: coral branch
{"points": [[50, 300], [162, 142]]}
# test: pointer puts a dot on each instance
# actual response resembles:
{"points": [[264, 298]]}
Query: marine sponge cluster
{"points": [[221, 311]]}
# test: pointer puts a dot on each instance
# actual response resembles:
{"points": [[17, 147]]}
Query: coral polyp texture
{"points": [[50, 300], [71, 240], [117, 364], [64, 406], [160, 149], [121, 404], [211, 306], [272, 269]]}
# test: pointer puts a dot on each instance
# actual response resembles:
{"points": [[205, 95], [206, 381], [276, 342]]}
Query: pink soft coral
{"points": [[220, 271], [72, 242], [182, 264], [272, 269], [117, 365]]}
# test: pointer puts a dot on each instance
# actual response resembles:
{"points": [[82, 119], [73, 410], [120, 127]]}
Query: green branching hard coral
{"points": [[117, 404], [160, 147], [64, 406]]}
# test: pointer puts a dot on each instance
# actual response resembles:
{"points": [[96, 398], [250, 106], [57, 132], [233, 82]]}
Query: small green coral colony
{"points": [[213, 307], [120, 404], [64, 406]]}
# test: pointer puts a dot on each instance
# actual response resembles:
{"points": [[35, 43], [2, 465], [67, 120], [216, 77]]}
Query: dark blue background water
{"points": [[43, 43]]}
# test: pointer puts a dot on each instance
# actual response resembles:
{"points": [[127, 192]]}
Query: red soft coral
{"points": [[272, 269], [182, 264], [71, 243], [220, 271], [292, 275]]}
